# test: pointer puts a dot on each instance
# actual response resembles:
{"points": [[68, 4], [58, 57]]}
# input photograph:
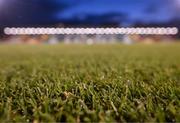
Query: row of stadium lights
{"points": [[37, 31]]}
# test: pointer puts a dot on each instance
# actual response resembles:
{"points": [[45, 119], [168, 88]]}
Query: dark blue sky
{"points": [[88, 12]]}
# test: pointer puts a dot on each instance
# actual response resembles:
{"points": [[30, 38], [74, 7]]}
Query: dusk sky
{"points": [[88, 12]]}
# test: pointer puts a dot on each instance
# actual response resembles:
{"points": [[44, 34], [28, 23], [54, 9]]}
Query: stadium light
{"points": [[130, 31]]}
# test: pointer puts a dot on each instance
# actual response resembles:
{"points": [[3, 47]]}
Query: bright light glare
{"points": [[143, 31]]}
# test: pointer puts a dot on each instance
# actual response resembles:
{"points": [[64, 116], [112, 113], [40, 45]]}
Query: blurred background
{"points": [[89, 13]]}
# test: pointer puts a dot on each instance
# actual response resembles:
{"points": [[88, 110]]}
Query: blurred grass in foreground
{"points": [[80, 83]]}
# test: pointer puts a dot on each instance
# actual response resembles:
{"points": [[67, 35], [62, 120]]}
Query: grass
{"points": [[98, 83]]}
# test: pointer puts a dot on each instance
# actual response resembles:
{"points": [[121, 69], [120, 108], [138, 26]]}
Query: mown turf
{"points": [[79, 83]]}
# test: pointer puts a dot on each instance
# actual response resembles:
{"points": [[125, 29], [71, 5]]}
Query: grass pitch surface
{"points": [[79, 83]]}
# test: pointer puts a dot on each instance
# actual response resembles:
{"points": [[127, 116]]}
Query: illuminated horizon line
{"points": [[70, 31]]}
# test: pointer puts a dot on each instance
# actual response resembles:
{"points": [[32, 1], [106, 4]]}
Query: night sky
{"points": [[122, 13]]}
